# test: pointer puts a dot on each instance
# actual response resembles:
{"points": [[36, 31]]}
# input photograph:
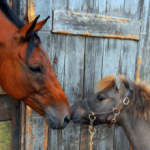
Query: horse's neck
{"points": [[7, 29], [137, 131]]}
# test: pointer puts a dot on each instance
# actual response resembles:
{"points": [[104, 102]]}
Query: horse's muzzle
{"points": [[55, 122]]}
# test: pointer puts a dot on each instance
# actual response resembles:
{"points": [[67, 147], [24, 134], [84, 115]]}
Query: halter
{"points": [[111, 115]]}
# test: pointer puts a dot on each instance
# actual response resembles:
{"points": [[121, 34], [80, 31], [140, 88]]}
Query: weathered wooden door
{"points": [[83, 58], [82, 61]]}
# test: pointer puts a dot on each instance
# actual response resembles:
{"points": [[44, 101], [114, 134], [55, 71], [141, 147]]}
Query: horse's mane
{"points": [[140, 103], [5, 8]]}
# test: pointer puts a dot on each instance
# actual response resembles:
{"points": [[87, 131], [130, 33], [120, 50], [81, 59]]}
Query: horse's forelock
{"points": [[105, 84], [108, 82]]}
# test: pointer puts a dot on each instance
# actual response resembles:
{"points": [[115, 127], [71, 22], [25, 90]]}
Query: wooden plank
{"points": [[5, 135], [22, 124], [36, 127], [73, 86], [128, 53], [95, 25], [15, 124], [93, 60], [36, 131], [115, 8], [56, 52], [111, 65], [5, 115], [5, 102], [93, 68], [127, 67], [143, 62], [6, 107], [63, 50]]}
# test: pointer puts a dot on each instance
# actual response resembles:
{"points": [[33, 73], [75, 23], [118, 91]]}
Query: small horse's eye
{"points": [[101, 98], [35, 69]]}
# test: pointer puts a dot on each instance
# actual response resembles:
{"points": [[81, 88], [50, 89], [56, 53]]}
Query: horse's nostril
{"points": [[66, 120]]}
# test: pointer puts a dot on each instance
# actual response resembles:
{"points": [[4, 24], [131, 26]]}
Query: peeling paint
{"points": [[107, 18], [46, 137], [121, 20], [115, 19], [75, 14], [96, 16], [29, 130], [138, 70], [116, 36], [69, 13], [31, 11], [66, 32], [87, 33]]}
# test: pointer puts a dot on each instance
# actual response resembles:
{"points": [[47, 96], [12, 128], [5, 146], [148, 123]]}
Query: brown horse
{"points": [[131, 99], [25, 70]]}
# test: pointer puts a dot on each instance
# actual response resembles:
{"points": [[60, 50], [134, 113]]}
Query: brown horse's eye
{"points": [[35, 69], [101, 98]]}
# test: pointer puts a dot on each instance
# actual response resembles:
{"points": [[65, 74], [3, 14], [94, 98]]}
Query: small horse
{"points": [[119, 100], [25, 70]]}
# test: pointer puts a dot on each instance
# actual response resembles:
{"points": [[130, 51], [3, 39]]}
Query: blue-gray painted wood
{"points": [[74, 23]]}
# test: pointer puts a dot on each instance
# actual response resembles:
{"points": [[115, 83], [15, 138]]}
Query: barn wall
{"points": [[82, 61]]}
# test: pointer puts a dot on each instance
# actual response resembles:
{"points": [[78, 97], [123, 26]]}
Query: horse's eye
{"points": [[101, 98], [35, 69]]}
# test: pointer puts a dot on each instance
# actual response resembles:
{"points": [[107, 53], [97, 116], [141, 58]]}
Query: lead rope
{"points": [[92, 130]]}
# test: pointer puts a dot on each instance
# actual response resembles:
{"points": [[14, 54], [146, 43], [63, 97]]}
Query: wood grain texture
{"points": [[73, 86], [143, 72], [15, 124], [36, 131], [99, 57], [5, 107], [95, 25], [128, 57], [93, 60], [22, 117], [5, 115]]}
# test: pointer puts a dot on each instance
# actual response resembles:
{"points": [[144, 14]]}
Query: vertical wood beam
{"points": [[15, 125]]}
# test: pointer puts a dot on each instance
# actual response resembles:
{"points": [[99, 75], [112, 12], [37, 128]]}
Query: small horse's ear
{"points": [[130, 84], [118, 82]]}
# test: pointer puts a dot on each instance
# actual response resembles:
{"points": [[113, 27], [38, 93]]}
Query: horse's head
{"points": [[110, 93], [26, 72]]}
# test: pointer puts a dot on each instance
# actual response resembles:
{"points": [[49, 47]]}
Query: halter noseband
{"points": [[111, 114]]}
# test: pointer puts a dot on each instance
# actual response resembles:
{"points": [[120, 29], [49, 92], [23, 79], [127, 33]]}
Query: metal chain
{"points": [[92, 131]]}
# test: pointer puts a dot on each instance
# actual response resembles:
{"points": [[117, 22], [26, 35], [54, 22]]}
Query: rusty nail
{"points": [[55, 60]]}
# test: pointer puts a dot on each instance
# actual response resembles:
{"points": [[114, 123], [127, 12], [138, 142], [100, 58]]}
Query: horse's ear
{"points": [[130, 84], [25, 31], [40, 24], [118, 82]]}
